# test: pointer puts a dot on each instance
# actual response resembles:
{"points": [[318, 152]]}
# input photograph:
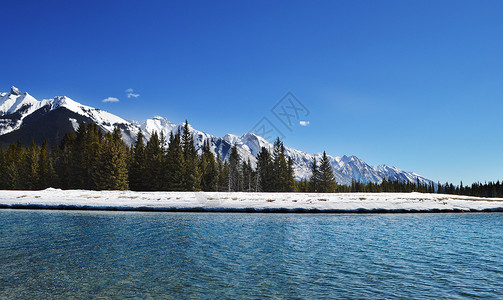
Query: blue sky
{"points": [[414, 84]]}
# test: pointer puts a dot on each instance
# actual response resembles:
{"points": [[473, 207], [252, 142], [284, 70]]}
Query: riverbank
{"points": [[246, 202]]}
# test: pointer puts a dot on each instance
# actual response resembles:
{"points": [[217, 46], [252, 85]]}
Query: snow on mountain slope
{"points": [[15, 107], [158, 124]]}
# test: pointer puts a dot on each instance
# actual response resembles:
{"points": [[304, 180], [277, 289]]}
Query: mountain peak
{"points": [[14, 91], [346, 168]]}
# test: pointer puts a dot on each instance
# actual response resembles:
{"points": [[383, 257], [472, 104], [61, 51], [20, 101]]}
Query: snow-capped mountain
{"points": [[26, 118]]}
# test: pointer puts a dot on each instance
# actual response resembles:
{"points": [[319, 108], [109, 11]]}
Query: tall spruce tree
{"points": [[248, 177], [208, 166], [175, 165], [314, 181], [111, 171], [137, 170], [265, 175], [29, 168], [234, 170], [63, 160], [327, 183], [154, 164], [222, 178], [47, 174], [291, 185], [192, 176]]}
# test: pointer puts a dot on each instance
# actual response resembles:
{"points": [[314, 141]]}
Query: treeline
{"points": [[89, 159], [488, 189], [388, 186]]}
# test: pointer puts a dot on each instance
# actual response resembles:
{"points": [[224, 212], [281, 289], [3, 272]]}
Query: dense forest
{"points": [[89, 159]]}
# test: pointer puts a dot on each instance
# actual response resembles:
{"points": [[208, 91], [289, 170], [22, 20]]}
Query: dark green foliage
{"points": [[223, 173], [88, 160], [11, 167], [248, 178], [192, 173], [111, 168], [137, 169], [224, 178], [281, 176], [326, 183], [175, 164], [47, 174], [234, 177], [314, 181], [265, 175], [154, 164], [209, 169]]}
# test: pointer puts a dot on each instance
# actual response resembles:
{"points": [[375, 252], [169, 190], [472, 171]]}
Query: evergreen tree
{"points": [[30, 167], [327, 183], [78, 174], [209, 179], [46, 172], [111, 172], [290, 176], [222, 179], [248, 177], [154, 180], [234, 170], [137, 170], [63, 160], [192, 176], [280, 179], [314, 182], [12, 158], [224, 185], [265, 175], [175, 164]]}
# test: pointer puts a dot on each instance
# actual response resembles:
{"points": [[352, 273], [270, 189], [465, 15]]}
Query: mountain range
{"points": [[24, 118]]}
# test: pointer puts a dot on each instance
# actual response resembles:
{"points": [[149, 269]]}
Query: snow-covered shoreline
{"points": [[246, 202]]}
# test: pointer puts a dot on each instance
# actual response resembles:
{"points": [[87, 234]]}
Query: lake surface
{"points": [[86, 254]]}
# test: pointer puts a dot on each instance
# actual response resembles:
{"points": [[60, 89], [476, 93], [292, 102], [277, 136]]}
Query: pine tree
{"points": [[265, 175], [154, 180], [29, 167], [234, 170], [222, 179], [137, 174], [290, 176], [192, 176], [63, 160], [280, 179], [111, 172], [78, 175], [13, 157], [247, 177], [314, 181], [208, 166], [92, 145], [175, 164], [224, 182], [46, 172], [327, 183]]}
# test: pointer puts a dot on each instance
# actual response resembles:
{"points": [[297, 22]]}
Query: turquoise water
{"points": [[62, 254]]}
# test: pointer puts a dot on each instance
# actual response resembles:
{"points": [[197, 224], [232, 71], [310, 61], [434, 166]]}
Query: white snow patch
{"points": [[343, 202]]}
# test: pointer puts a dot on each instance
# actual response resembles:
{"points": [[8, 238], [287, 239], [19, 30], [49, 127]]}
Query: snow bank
{"points": [[246, 202]]}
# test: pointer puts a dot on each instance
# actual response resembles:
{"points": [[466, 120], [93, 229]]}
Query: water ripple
{"points": [[58, 254]]}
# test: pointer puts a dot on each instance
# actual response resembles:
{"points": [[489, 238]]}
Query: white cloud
{"points": [[131, 95], [129, 91], [110, 99], [304, 123]]}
